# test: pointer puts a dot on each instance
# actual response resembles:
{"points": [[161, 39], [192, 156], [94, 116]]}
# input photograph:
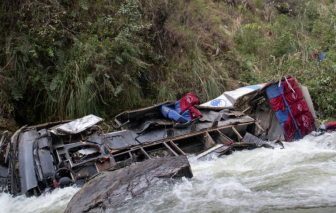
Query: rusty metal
{"points": [[224, 136], [178, 148], [209, 142], [145, 153], [164, 143], [258, 125], [101, 166], [237, 133]]}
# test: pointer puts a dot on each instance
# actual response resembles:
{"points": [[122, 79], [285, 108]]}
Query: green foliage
{"points": [[284, 44], [205, 75], [323, 87], [249, 38], [258, 3], [71, 72], [325, 33], [248, 73], [312, 10], [84, 4], [64, 59]]}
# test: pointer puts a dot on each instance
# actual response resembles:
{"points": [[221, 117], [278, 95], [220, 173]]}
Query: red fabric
{"points": [[55, 184], [194, 113], [331, 127], [187, 101], [290, 129], [290, 138], [292, 83], [306, 130], [299, 108], [305, 119], [277, 103], [228, 143], [292, 97]]}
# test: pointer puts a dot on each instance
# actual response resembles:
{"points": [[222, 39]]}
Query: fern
{"points": [[15, 91], [84, 4], [54, 83]]}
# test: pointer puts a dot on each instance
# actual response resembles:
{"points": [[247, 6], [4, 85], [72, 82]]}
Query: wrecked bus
{"points": [[37, 159]]}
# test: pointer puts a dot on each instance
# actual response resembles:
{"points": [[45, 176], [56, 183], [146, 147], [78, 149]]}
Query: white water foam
{"points": [[53, 202]]}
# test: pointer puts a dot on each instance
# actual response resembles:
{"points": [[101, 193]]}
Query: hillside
{"points": [[63, 59]]}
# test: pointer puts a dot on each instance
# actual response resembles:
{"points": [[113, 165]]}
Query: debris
{"points": [[229, 98], [58, 154]]}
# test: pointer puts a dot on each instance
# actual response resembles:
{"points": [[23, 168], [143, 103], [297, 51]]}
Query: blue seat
{"points": [[282, 115], [169, 112], [273, 91]]}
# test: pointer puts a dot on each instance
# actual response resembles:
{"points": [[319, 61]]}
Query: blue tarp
{"points": [[321, 57]]}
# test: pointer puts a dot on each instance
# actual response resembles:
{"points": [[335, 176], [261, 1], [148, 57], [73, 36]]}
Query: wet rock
{"points": [[113, 188]]}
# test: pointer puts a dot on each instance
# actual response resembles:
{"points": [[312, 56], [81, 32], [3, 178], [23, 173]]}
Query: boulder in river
{"points": [[112, 188]]}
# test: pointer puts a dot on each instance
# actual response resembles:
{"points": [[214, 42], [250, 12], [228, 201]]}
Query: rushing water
{"points": [[299, 178]]}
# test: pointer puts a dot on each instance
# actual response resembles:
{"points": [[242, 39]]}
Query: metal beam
{"points": [[170, 149], [237, 133], [178, 148], [145, 153]]}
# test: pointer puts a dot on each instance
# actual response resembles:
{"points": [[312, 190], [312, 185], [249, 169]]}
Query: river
{"points": [[299, 178]]}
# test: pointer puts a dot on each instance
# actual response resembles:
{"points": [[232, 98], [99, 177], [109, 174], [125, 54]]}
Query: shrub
{"points": [[249, 39], [284, 44]]}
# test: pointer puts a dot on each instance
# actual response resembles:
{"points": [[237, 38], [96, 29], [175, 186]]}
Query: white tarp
{"points": [[229, 98], [78, 125]]}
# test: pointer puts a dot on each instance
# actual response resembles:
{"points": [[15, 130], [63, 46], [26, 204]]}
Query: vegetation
{"points": [[62, 59]]}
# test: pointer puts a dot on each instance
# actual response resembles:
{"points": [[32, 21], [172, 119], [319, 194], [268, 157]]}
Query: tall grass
{"points": [[64, 59]]}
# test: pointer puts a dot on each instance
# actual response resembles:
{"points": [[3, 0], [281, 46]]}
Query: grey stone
{"points": [[113, 188]]}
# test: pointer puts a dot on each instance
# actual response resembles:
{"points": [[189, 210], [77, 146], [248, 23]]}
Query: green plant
{"points": [[312, 10], [249, 39], [63, 59], [324, 33], [284, 44], [258, 3]]}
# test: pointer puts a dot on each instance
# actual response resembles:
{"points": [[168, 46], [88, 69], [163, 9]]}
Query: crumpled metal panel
{"points": [[78, 125], [46, 162], [217, 116], [120, 140], [159, 134], [209, 115], [3, 171], [151, 122], [140, 113], [249, 138], [26, 159], [43, 143], [260, 143], [308, 99], [268, 121]]}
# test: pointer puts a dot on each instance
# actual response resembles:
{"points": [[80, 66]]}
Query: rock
{"points": [[7, 124], [112, 188], [283, 6]]}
